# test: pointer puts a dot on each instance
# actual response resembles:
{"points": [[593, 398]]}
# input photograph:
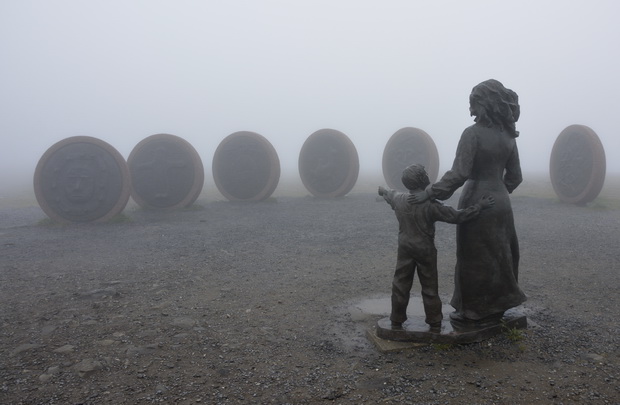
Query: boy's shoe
{"points": [[435, 326]]}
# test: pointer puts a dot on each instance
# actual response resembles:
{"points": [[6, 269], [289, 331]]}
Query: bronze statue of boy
{"points": [[416, 244]]}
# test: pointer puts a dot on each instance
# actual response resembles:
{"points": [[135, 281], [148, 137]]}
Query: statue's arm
{"points": [[461, 167], [450, 215], [388, 195], [512, 174]]}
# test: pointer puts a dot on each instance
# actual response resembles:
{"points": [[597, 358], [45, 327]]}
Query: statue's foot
{"points": [[457, 319], [457, 316], [435, 327], [396, 325]]}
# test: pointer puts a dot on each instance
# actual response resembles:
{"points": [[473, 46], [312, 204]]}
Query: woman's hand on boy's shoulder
{"points": [[418, 197]]}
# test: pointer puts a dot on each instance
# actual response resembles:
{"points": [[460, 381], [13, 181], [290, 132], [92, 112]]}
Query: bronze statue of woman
{"points": [[486, 163]]}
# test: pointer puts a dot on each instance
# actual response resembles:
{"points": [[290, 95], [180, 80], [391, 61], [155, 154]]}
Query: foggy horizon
{"points": [[122, 71]]}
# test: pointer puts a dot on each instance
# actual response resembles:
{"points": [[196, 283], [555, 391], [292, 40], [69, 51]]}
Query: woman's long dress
{"points": [[487, 266]]}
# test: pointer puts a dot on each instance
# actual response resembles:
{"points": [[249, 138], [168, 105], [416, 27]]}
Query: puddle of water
{"points": [[372, 307]]}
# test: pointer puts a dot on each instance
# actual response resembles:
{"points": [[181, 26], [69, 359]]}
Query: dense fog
{"points": [[123, 70]]}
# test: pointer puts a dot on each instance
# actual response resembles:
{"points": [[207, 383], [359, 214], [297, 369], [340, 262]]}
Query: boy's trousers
{"points": [[406, 265]]}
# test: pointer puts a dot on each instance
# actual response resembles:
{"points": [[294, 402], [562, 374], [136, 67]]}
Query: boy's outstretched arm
{"points": [[387, 194], [450, 215]]}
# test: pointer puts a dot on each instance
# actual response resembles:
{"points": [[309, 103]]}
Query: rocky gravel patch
{"points": [[227, 303]]}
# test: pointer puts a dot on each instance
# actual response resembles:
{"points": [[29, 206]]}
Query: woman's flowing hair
{"points": [[495, 105]]}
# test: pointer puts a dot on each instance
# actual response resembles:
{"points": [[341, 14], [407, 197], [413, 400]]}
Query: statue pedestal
{"points": [[415, 330]]}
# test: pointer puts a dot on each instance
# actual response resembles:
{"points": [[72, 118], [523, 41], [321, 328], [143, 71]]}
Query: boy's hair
{"points": [[414, 177]]}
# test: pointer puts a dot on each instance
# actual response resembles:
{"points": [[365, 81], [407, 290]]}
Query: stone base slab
{"points": [[415, 330]]}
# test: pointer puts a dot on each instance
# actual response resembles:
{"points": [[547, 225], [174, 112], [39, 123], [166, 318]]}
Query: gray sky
{"points": [[121, 70]]}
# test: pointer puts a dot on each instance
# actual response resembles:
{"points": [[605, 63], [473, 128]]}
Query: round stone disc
{"points": [[406, 147], [166, 172], [246, 167], [577, 165], [82, 179], [328, 163]]}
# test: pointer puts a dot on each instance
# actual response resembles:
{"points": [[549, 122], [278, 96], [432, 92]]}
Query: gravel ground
{"points": [[257, 303]]}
